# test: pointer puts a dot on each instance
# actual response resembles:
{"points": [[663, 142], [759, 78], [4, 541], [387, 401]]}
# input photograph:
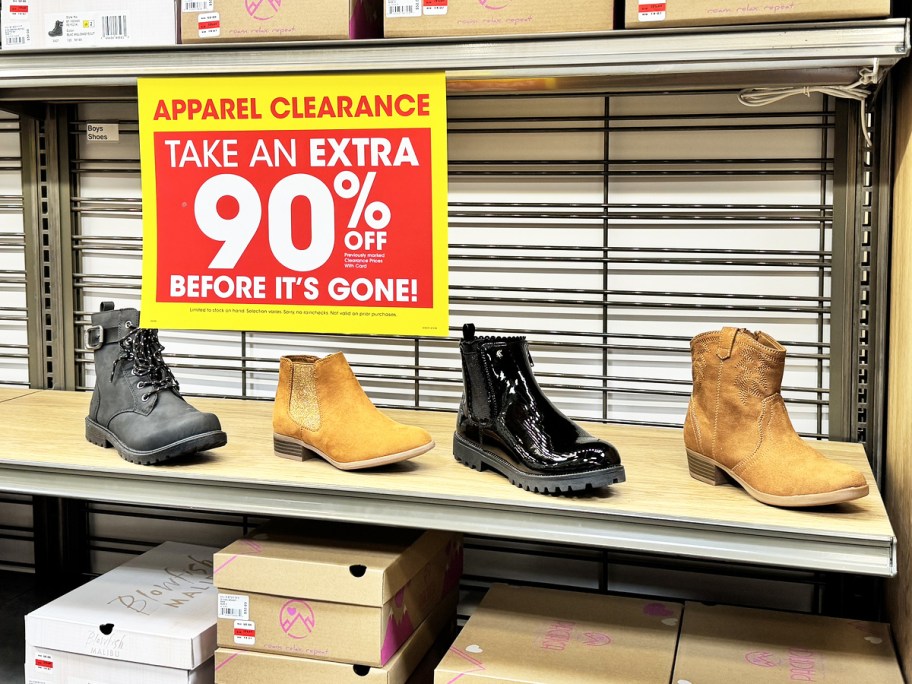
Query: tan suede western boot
{"points": [[320, 409], [737, 424]]}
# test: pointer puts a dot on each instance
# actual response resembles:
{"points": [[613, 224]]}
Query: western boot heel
{"points": [[96, 436], [704, 470], [289, 448]]}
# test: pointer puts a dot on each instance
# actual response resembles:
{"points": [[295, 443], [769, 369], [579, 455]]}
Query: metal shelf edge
{"points": [[809, 552]]}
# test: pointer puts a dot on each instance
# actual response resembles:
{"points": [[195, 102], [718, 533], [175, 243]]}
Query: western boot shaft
{"points": [[737, 425], [136, 406], [321, 409], [506, 422]]}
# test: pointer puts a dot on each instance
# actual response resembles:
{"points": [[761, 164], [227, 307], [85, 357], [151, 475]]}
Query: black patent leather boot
{"points": [[506, 423], [137, 407]]}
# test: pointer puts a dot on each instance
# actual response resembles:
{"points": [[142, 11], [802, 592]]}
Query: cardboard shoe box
{"points": [[149, 621], [242, 21], [348, 593], [63, 24], [650, 14], [526, 635], [724, 644], [242, 667], [418, 18]]}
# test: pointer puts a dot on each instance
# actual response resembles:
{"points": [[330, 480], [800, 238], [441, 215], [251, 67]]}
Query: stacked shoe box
{"points": [[342, 603], [530, 635], [149, 621], [722, 644]]}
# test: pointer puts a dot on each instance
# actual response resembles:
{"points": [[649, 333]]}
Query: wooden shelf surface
{"points": [[660, 509]]}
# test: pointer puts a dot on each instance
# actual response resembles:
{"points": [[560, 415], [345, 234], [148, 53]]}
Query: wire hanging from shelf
{"points": [[860, 91]]}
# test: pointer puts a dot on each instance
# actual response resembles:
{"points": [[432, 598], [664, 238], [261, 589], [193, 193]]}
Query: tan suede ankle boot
{"points": [[321, 410], [737, 424]]}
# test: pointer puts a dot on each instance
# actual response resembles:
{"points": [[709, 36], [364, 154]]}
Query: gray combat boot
{"points": [[137, 407]]}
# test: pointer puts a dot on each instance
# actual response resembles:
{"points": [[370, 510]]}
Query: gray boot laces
{"points": [[141, 346]]}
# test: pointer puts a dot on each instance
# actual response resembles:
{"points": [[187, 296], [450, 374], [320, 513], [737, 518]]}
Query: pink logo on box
{"points": [[494, 4], [297, 619], [263, 10], [595, 639], [762, 659]]}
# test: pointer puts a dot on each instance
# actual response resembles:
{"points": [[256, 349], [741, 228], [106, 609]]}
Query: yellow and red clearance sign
{"points": [[295, 203]]}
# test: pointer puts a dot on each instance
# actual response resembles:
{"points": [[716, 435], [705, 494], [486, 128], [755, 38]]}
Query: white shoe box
{"points": [[149, 621]]}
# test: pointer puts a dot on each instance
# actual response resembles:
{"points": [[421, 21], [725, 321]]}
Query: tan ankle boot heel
{"points": [[292, 449], [704, 470]]}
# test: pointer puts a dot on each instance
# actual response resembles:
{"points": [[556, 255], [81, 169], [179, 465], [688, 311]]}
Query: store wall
{"points": [[899, 397]]}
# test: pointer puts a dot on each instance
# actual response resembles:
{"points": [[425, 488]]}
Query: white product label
{"points": [[102, 132], [435, 7], [83, 680], [403, 8], [36, 681], [244, 632], [18, 8], [651, 11], [234, 606], [197, 5], [17, 35], [44, 661], [209, 25]]}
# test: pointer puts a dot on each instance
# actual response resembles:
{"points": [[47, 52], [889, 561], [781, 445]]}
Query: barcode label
{"points": [[16, 35], [403, 8], [114, 26], [197, 6], [234, 606]]}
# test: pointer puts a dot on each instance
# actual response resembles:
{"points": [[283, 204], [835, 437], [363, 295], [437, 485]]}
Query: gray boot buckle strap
{"points": [[96, 336]]}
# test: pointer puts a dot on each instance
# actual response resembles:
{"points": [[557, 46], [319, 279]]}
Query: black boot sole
{"points": [[478, 458], [103, 437]]}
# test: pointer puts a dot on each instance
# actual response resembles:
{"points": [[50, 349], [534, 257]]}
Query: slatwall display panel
{"points": [[13, 331], [16, 534], [118, 532]]}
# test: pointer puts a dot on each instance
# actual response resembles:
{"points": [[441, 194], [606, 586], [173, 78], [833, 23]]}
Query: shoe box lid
{"points": [[523, 634], [351, 564], [242, 667], [724, 644], [158, 608]]}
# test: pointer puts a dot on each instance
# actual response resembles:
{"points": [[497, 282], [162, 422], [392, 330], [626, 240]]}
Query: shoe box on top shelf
{"points": [[658, 14], [149, 621], [344, 593], [242, 21], [724, 644], [418, 18], [62, 24], [526, 635], [242, 667]]}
